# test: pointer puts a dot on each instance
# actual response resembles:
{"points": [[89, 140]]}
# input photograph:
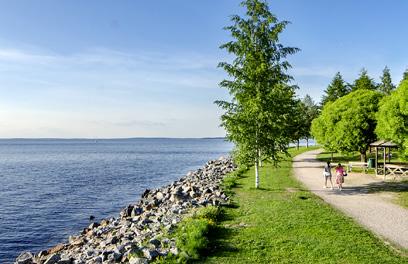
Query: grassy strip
{"points": [[283, 223], [400, 188], [192, 235]]}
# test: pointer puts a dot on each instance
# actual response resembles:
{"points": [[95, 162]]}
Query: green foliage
{"points": [[392, 118], [262, 100], [311, 111], [364, 82], [348, 124], [336, 89], [192, 235], [386, 86], [404, 76], [304, 112], [230, 180]]}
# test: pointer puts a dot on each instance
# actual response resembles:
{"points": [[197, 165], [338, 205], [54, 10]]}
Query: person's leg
{"points": [[331, 183], [325, 182]]}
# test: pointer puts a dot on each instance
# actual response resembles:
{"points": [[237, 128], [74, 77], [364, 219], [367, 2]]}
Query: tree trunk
{"points": [[307, 142], [363, 156], [260, 158], [256, 175], [332, 156], [297, 144]]}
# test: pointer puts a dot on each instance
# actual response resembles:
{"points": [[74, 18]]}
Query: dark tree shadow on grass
{"points": [[219, 244]]}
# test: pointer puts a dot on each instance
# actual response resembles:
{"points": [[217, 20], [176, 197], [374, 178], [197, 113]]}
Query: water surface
{"points": [[49, 188]]}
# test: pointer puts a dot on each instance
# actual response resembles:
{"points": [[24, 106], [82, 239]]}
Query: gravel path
{"points": [[371, 209]]}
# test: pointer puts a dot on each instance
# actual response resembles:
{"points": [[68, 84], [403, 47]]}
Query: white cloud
{"points": [[107, 93]]}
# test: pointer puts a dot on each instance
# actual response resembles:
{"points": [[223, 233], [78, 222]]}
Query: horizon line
{"points": [[96, 138]]}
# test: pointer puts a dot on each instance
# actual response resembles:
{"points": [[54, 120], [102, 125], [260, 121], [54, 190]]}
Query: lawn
{"points": [[283, 223]]}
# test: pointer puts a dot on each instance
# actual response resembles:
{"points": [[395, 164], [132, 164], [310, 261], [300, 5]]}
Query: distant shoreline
{"points": [[131, 138]]}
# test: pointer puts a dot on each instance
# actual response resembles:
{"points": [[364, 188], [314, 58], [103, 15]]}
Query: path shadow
{"points": [[376, 187]]}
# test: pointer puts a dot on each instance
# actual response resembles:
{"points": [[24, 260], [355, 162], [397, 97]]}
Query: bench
{"points": [[352, 164]]}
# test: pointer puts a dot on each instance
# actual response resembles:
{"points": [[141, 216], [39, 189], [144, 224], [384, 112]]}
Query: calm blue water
{"points": [[49, 188]]}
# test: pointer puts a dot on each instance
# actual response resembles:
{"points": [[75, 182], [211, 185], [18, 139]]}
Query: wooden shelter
{"points": [[386, 147]]}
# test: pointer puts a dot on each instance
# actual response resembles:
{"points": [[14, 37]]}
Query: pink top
{"points": [[340, 170]]}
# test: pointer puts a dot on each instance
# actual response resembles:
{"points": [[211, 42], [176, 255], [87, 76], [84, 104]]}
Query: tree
{"points": [[404, 76], [364, 82], [311, 112], [258, 116], [348, 124], [392, 117], [386, 85], [298, 128], [336, 89]]}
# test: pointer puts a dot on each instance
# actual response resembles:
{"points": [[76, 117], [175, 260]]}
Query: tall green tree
{"points": [[336, 89], [386, 86], [364, 82], [259, 114], [392, 118], [298, 129], [348, 124], [311, 112], [404, 76]]}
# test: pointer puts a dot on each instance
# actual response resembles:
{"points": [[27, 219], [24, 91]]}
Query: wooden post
{"points": [[385, 158], [376, 161]]}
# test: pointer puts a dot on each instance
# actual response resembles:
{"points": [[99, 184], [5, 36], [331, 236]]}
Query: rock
{"points": [[25, 258], [150, 254], [138, 261], [66, 261], [104, 223], [159, 196], [97, 259], [93, 225], [117, 256], [155, 242], [54, 258], [136, 211], [42, 253], [145, 193], [56, 249], [91, 217], [112, 240]]}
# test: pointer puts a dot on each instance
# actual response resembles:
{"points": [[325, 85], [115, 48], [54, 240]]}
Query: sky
{"points": [[119, 69]]}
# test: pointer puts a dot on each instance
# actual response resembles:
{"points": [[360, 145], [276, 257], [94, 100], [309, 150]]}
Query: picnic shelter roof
{"points": [[384, 144]]}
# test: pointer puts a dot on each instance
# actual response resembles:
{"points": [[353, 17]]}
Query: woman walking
{"points": [[327, 175], [339, 176]]}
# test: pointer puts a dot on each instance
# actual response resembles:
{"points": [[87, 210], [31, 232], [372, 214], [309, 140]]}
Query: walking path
{"points": [[371, 209]]}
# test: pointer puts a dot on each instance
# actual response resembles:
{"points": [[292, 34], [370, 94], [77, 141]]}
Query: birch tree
{"points": [[262, 100]]}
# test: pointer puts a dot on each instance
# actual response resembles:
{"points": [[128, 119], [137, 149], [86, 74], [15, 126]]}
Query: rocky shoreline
{"points": [[139, 234]]}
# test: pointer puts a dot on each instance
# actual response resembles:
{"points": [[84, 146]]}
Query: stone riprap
{"points": [[139, 234]]}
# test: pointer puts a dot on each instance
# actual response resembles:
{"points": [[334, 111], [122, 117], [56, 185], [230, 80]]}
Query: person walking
{"points": [[327, 175], [340, 176]]}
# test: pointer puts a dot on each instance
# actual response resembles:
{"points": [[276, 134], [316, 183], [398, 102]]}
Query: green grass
{"points": [[192, 235], [283, 223]]}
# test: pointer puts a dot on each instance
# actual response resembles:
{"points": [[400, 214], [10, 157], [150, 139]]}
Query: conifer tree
{"points": [[364, 82], [386, 86], [336, 89], [404, 76], [311, 112], [259, 115]]}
